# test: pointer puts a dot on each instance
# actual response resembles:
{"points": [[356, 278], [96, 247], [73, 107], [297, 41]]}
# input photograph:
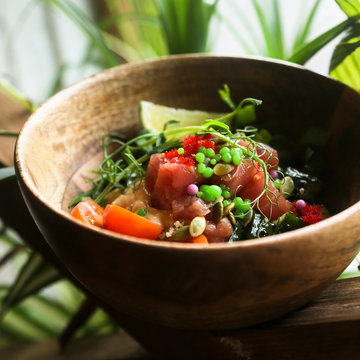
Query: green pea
{"points": [[181, 151], [224, 150], [239, 213], [242, 206], [226, 202], [201, 168], [236, 152], [210, 192], [236, 160], [206, 193], [208, 172], [208, 197], [213, 161], [142, 212], [278, 183], [226, 194], [202, 149], [217, 157], [237, 201], [200, 157], [204, 188], [215, 190], [239, 152], [226, 157], [210, 152], [199, 194]]}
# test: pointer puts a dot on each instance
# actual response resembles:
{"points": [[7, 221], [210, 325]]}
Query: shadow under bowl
{"points": [[220, 286]]}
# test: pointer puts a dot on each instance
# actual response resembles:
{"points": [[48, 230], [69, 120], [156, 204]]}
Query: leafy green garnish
{"points": [[243, 114], [225, 96], [125, 161], [286, 222], [258, 227]]}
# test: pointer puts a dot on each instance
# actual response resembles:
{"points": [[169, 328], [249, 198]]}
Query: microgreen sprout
{"points": [[125, 160]]}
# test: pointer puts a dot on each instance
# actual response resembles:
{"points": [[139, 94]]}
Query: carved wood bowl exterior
{"points": [[221, 286]]}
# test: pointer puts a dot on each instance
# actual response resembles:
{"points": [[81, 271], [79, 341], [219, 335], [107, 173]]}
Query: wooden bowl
{"points": [[221, 286]]}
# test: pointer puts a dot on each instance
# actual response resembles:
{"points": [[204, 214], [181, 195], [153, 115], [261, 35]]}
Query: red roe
{"points": [[191, 145], [309, 214]]}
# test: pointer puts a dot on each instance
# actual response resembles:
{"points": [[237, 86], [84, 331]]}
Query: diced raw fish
{"points": [[218, 232], [187, 207], [238, 177], [265, 152], [167, 181], [269, 155], [271, 204]]}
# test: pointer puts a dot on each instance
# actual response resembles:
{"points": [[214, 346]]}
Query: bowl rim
{"points": [[24, 178]]}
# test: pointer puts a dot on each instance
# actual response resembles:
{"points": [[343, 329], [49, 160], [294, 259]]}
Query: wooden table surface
{"points": [[327, 328]]}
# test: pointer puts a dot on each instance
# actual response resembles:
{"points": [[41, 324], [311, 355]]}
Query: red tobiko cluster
{"points": [[191, 145], [309, 214]]}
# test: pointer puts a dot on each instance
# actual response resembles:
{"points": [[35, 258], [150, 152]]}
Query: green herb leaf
{"points": [[225, 96], [258, 227], [171, 123], [288, 221]]}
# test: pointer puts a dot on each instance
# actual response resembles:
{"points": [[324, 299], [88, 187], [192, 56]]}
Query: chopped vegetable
{"points": [[88, 212], [201, 239], [198, 181], [126, 222]]}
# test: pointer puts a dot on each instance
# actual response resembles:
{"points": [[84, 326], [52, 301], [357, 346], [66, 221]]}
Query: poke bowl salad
{"points": [[195, 177]]}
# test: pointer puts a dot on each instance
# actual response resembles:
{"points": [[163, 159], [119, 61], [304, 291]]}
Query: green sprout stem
{"points": [[9, 133], [123, 165]]}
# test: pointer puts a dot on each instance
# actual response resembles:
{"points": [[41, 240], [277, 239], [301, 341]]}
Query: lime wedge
{"points": [[154, 116]]}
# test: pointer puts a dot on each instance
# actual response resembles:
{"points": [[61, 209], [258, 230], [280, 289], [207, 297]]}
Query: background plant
{"points": [[129, 31]]}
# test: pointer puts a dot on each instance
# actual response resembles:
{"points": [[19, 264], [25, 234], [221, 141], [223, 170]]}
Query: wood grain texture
{"points": [[180, 285], [112, 347], [326, 328]]}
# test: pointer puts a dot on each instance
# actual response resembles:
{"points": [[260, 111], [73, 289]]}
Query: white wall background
{"points": [[292, 11], [35, 41]]}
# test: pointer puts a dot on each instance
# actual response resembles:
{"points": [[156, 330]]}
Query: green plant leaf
{"points": [[271, 41], [310, 49], [185, 24], [304, 29], [136, 29], [8, 236], [349, 7], [6, 173], [343, 50], [344, 65], [348, 71], [83, 22], [85, 311], [16, 95], [35, 274], [29, 320], [269, 18], [12, 253]]}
